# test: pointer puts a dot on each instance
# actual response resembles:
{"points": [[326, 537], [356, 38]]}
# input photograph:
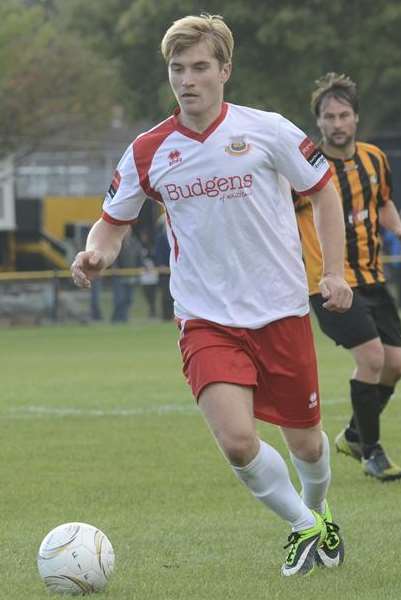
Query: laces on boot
{"points": [[332, 539], [292, 541]]}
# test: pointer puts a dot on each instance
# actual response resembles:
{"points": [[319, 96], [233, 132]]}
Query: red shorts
{"points": [[277, 360]]}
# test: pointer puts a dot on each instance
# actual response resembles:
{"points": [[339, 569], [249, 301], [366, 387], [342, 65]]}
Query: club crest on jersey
{"points": [[112, 191], [174, 158], [373, 179], [237, 146]]}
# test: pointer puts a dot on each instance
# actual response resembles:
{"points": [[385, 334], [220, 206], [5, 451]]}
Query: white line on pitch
{"points": [[46, 411]]}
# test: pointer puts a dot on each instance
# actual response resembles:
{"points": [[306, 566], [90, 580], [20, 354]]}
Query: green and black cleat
{"points": [[303, 546], [331, 552]]}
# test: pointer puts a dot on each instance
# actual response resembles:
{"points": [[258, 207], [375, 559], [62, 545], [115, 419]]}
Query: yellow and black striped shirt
{"points": [[364, 184]]}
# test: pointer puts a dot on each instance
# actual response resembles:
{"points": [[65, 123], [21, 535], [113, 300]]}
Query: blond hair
{"points": [[190, 30], [333, 85]]}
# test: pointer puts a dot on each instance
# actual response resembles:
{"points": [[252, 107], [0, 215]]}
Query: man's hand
{"points": [[86, 267], [336, 292]]}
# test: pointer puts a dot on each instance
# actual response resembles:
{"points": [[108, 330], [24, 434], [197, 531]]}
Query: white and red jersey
{"points": [[235, 250]]}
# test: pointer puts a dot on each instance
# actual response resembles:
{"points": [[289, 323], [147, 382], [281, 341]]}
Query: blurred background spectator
{"points": [[95, 300], [123, 286], [162, 261], [149, 278]]}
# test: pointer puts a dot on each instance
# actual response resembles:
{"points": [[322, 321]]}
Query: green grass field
{"points": [[98, 425]]}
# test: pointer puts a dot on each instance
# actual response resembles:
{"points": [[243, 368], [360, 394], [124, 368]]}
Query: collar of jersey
{"points": [[200, 137], [341, 160]]}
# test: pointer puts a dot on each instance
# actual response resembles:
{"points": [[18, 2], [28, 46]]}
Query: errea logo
{"points": [[174, 158], [312, 400]]}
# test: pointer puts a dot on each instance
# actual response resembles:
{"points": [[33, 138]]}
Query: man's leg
{"points": [[118, 299], [310, 454], [127, 289], [95, 304], [228, 410], [390, 374], [358, 331], [378, 368], [364, 425]]}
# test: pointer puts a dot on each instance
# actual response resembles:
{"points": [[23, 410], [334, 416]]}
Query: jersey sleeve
{"points": [[125, 195], [299, 160], [385, 184]]}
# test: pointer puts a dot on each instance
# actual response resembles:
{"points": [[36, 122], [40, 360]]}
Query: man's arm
{"points": [[329, 222], [102, 248], [389, 218]]}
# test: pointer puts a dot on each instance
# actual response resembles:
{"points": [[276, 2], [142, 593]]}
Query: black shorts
{"points": [[373, 314]]}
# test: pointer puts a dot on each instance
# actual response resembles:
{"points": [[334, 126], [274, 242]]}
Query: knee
{"points": [[374, 360], [239, 447], [309, 450]]}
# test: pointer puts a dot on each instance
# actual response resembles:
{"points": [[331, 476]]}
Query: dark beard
{"points": [[340, 144]]}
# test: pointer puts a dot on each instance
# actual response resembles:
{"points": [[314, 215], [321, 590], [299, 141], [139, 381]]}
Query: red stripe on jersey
{"points": [[318, 186], [106, 217], [200, 137], [144, 148], [176, 248]]}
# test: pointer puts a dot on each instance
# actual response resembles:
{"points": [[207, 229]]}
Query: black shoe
{"points": [[378, 465], [347, 447]]}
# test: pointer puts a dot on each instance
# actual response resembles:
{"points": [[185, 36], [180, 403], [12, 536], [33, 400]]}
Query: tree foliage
{"points": [[48, 78], [282, 47]]}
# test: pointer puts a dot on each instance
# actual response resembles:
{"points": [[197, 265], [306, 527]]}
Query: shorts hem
{"points": [[354, 344], [282, 422], [219, 380]]}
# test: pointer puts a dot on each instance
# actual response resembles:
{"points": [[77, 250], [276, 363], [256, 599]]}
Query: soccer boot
{"points": [[303, 545], [331, 552], [378, 465], [348, 448]]}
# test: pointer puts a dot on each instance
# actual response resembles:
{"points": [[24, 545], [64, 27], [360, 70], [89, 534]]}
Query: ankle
{"points": [[351, 435], [369, 449]]}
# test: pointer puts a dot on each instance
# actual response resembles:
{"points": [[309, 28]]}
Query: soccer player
{"points": [[223, 173], [371, 330]]}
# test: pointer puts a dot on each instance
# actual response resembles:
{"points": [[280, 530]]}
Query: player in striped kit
{"points": [[371, 330]]}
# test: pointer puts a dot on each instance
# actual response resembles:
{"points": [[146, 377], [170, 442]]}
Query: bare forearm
{"points": [[389, 218], [329, 222], [106, 239]]}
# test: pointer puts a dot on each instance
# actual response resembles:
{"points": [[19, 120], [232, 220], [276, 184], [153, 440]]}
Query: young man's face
{"points": [[197, 80], [337, 122]]}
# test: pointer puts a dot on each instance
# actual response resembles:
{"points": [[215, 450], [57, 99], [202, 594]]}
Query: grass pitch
{"points": [[98, 425]]}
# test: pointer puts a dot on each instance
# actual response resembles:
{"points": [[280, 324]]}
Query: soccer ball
{"points": [[75, 558]]}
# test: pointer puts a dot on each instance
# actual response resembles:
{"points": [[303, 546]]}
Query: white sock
{"points": [[268, 479], [315, 477]]}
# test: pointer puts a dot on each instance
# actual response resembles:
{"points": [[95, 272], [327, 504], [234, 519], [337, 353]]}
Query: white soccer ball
{"points": [[75, 558]]}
